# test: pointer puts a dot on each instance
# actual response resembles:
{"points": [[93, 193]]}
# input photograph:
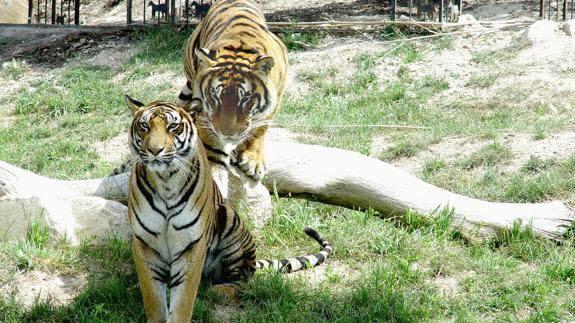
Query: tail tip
{"points": [[313, 233]]}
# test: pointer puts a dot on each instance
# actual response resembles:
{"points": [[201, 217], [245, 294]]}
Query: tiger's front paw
{"points": [[252, 164]]}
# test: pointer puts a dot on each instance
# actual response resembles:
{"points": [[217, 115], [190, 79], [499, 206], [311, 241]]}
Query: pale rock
{"points": [[467, 19], [541, 31], [245, 195], [26, 198], [569, 27]]}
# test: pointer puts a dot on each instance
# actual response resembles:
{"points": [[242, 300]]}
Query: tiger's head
{"points": [[162, 135], [234, 92]]}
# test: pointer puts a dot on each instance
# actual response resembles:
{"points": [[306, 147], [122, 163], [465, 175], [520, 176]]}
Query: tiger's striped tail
{"points": [[290, 265]]}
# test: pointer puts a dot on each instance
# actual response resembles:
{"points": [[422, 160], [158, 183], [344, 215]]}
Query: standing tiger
{"points": [[236, 70], [182, 228]]}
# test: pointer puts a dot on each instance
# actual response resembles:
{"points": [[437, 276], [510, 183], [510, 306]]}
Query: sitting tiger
{"points": [[236, 70], [182, 228]]}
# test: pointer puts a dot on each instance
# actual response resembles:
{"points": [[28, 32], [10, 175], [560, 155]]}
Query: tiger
{"points": [[183, 231], [236, 73]]}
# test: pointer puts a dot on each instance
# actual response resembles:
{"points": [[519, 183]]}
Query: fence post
{"points": [[173, 10], [77, 12], [393, 5], [441, 11], [188, 8], [30, 10], [129, 12], [541, 8], [564, 9], [53, 12]]}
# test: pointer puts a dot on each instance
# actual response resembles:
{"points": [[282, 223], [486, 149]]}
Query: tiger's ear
{"points": [[205, 57], [133, 104], [264, 64]]}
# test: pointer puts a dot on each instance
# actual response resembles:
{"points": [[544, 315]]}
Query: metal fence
{"points": [[169, 11], [59, 11], [67, 12], [556, 9], [427, 10]]}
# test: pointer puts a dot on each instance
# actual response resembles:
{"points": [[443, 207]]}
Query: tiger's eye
{"points": [[174, 126], [143, 126]]}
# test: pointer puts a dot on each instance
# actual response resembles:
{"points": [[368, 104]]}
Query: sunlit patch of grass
{"points": [[489, 155], [14, 69]]}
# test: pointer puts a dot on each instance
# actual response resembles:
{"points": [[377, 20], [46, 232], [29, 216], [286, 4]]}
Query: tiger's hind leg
{"points": [[227, 291], [228, 287]]}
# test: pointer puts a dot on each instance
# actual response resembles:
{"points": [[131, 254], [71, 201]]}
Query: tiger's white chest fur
{"points": [[164, 216]]}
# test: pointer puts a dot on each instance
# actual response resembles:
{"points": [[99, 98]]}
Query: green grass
{"points": [[14, 69], [401, 150], [300, 40], [498, 56], [482, 81], [422, 268], [489, 155], [443, 42]]}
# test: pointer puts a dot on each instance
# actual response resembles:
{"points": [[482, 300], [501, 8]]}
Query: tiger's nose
{"points": [[156, 150]]}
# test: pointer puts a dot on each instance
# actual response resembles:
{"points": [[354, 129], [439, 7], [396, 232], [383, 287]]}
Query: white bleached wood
{"points": [[349, 179]]}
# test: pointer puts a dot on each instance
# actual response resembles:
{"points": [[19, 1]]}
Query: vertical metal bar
{"points": [[441, 11], [571, 9], [38, 12], [53, 12], [77, 12], [564, 9], [167, 12], [69, 11], [557, 10], [393, 4], [541, 8], [30, 10], [187, 3], [173, 10], [144, 4], [549, 10], [45, 12], [129, 12]]}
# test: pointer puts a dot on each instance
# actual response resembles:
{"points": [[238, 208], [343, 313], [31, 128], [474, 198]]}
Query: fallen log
{"points": [[329, 175], [349, 179]]}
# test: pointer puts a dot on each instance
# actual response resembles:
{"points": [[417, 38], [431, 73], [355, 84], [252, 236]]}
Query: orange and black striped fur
{"points": [[182, 228], [236, 71]]}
